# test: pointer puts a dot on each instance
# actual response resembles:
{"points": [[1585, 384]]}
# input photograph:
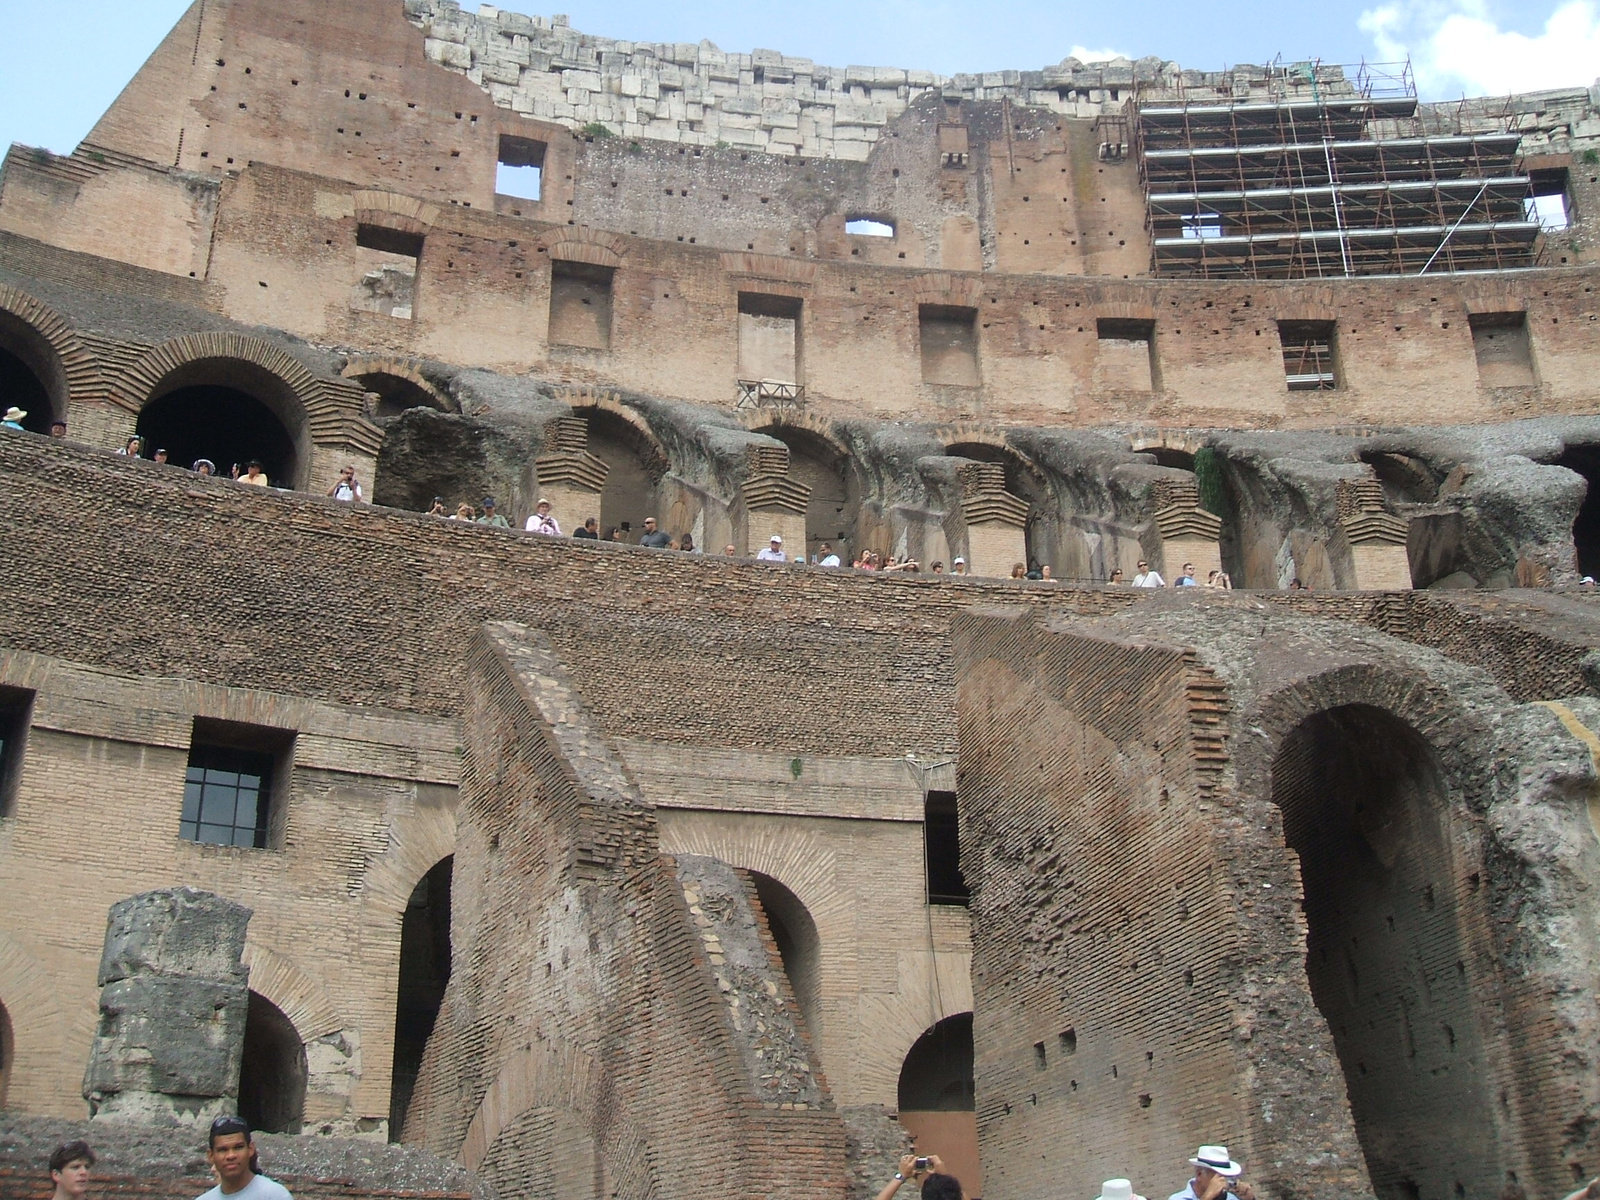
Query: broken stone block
{"points": [[173, 1006]]}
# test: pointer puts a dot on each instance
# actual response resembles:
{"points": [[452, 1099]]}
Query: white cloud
{"points": [[1085, 55], [1456, 46]]}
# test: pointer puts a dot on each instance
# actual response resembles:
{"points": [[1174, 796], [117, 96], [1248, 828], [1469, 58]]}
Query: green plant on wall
{"points": [[1591, 158], [597, 129], [1208, 473]]}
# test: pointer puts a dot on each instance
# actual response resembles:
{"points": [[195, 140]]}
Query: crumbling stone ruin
{"points": [[584, 869]]}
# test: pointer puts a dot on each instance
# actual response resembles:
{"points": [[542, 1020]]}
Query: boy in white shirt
{"points": [[232, 1156]]}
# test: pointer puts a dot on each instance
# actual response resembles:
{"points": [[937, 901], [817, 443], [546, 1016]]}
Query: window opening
{"points": [[520, 172], [942, 846], [869, 227], [1549, 204], [1125, 354], [769, 338], [16, 707], [388, 283], [1504, 352], [1202, 225], [1308, 355], [580, 305], [229, 789], [949, 341]]}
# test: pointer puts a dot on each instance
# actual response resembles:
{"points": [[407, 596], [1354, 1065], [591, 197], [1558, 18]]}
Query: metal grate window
{"points": [[226, 797]]}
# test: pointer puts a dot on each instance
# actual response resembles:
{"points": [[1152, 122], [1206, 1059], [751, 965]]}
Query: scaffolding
{"points": [[1309, 170]]}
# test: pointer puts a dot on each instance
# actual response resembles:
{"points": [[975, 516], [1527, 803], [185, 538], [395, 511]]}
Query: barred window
{"points": [[231, 789]]}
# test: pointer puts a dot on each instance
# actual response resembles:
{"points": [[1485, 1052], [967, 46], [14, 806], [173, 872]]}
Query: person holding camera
{"points": [[1215, 1176], [936, 1185]]}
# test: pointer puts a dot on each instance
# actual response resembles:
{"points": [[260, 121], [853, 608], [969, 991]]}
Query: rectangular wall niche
{"points": [[949, 336], [520, 172], [1505, 355], [580, 305], [1309, 360], [769, 338], [1126, 355], [236, 788], [16, 707], [389, 260]]}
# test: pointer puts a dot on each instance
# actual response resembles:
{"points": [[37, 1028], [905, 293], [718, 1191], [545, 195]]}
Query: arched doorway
{"points": [[424, 973], [1041, 535], [937, 1098], [631, 490], [795, 934], [229, 411], [397, 394], [1365, 806], [31, 374], [272, 1074], [8, 1050], [835, 504]]}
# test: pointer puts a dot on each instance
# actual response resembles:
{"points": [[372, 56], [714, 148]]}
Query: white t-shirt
{"points": [[545, 524], [1152, 579], [259, 1188], [771, 555], [347, 490], [831, 561]]}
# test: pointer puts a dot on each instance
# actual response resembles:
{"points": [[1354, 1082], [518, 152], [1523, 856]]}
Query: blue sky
{"points": [[61, 66]]}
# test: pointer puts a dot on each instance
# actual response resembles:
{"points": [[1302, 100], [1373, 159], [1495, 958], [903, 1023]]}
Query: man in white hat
{"points": [[542, 521], [1215, 1174], [14, 418], [774, 551], [959, 567], [1117, 1189]]}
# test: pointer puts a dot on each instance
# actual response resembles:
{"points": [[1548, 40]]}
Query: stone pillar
{"points": [[1189, 534], [173, 1002], [996, 520], [774, 503], [1377, 538], [569, 476]]}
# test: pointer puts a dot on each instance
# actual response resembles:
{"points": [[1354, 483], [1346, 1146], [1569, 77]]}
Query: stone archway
{"points": [[820, 462], [423, 975], [272, 1073], [44, 367], [636, 463], [937, 1098], [1366, 807], [799, 946]]}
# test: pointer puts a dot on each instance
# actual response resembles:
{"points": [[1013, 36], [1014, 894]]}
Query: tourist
{"points": [[1219, 579], [1019, 571], [233, 1160], [542, 521], [438, 509], [1117, 1189], [348, 488], [1148, 578], [938, 567], [132, 448], [826, 557], [618, 534], [590, 531], [959, 566], [491, 517], [1046, 574], [58, 429], [14, 418], [254, 475], [1215, 1175], [687, 544], [730, 551], [773, 551], [465, 512], [1296, 586], [1187, 579], [160, 456], [929, 1171], [654, 538], [905, 564], [1116, 577], [204, 467], [69, 1170]]}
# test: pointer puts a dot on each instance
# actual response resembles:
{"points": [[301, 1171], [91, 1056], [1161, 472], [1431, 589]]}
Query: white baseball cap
{"points": [[962, 561], [776, 540]]}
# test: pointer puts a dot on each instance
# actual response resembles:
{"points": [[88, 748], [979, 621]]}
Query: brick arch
{"points": [[38, 1025], [899, 1018], [958, 291], [395, 211], [652, 451], [77, 372], [299, 995], [548, 1073], [331, 411], [1187, 440], [986, 435], [585, 245], [400, 369], [820, 427]]}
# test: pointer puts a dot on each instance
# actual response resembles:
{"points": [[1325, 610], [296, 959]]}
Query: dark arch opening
{"points": [[1365, 806], [424, 973], [1040, 535], [1166, 456], [31, 375], [1585, 460], [937, 1073], [834, 509], [630, 493], [229, 411], [8, 1050], [272, 1074], [397, 394], [795, 934], [1405, 479]]}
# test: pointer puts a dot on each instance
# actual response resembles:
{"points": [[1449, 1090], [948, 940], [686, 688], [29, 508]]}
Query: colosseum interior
{"points": [[511, 865]]}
